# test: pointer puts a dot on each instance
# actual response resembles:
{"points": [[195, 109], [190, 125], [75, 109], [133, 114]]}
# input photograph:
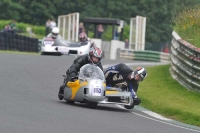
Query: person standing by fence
{"points": [[100, 31], [126, 44], [52, 24], [48, 29]]}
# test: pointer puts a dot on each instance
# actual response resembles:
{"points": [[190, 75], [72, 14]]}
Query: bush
{"points": [[187, 24], [40, 30]]}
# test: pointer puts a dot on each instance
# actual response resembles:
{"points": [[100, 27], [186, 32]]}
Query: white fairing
{"points": [[48, 46], [80, 50], [95, 77], [96, 88]]}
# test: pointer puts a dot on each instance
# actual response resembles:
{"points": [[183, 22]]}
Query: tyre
{"points": [[92, 105], [44, 53], [61, 92], [39, 48], [129, 107], [70, 102], [60, 96]]}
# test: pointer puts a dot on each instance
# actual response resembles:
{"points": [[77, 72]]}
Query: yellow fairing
{"points": [[111, 92], [74, 86], [84, 83], [104, 84]]}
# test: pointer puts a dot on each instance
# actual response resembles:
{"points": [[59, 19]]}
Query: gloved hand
{"points": [[73, 79]]}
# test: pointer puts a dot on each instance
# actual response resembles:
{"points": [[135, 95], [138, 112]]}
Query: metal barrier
{"points": [[146, 55], [185, 63]]}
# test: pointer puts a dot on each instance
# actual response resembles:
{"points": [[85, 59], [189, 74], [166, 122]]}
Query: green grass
{"points": [[164, 95], [187, 24]]}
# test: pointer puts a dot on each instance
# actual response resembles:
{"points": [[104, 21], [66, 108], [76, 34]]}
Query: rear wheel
{"points": [[43, 53], [70, 102], [92, 105]]}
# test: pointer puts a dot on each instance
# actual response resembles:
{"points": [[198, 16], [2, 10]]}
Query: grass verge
{"points": [[164, 95], [17, 52], [187, 24]]}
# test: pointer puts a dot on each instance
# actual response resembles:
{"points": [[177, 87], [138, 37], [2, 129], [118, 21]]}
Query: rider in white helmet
{"points": [[55, 33]]}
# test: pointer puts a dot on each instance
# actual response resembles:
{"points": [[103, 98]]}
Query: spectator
{"points": [[13, 26], [166, 49], [126, 43], [117, 32], [100, 30], [81, 28], [48, 24], [7, 28], [52, 24]]}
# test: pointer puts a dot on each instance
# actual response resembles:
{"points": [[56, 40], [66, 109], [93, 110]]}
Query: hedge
{"points": [[22, 26]]}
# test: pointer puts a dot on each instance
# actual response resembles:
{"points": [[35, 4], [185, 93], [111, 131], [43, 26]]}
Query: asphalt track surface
{"points": [[28, 102]]}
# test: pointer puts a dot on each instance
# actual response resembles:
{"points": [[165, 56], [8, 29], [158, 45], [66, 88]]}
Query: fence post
{"points": [[118, 53]]}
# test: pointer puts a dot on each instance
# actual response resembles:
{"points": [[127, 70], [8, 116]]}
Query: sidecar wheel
{"points": [[129, 107], [92, 105]]}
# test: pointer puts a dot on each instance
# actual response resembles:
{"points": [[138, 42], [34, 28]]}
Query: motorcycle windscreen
{"points": [[91, 72]]}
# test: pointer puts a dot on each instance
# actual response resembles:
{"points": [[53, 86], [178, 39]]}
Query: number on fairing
{"points": [[48, 42], [97, 92]]}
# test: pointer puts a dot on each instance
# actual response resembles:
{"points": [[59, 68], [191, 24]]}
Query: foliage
{"points": [[187, 24], [157, 12], [164, 95], [39, 30]]}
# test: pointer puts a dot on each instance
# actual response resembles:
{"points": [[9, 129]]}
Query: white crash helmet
{"points": [[55, 31], [141, 71]]}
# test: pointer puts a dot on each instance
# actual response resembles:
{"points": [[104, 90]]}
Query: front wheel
{"points": [[60, 96], [92, 105], [70, 102]]}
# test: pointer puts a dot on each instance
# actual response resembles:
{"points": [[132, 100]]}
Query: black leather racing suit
{"points": [[117, 76], [78, 63]]}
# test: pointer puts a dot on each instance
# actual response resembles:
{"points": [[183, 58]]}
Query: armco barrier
{"points": [[143, 55], [185, 63], [12, 41]]}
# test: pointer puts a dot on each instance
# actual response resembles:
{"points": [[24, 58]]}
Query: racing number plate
{"points": [[48, 42], [97, 92], [62, 49]]}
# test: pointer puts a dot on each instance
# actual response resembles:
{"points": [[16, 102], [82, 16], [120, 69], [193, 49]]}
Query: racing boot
{"points": [[137, 101], [61, 92]]}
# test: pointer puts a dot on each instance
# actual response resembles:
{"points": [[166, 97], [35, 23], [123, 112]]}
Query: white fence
{"points": [[137, 33], [69, 26]]}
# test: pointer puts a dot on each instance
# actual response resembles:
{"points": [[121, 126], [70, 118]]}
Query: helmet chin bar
{"points": [[91, 61]]}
